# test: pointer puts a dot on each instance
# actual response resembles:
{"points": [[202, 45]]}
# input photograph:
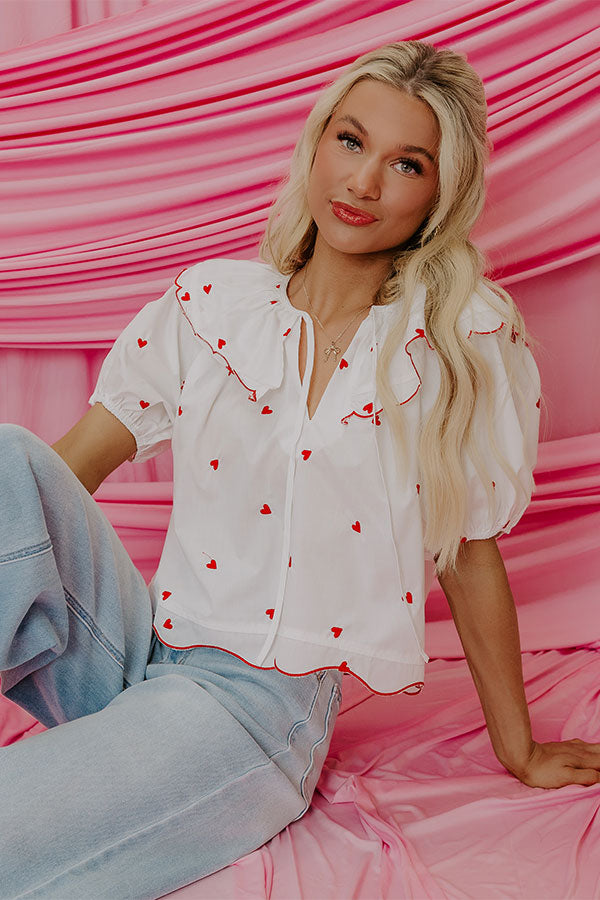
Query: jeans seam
{"points": [[300, 722], [312, 751], [336, 691], [86, 620], [27, 552]]}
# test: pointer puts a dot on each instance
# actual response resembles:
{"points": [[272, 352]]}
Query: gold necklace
{"points": [[332, 347]]}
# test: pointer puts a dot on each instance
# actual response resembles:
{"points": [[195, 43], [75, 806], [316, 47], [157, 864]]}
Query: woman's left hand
{"points": [[557, 763]]}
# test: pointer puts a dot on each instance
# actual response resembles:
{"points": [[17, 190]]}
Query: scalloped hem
{"points": [[414, 687]]}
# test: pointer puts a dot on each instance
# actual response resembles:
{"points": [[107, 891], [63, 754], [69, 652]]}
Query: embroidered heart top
{"points": [[293, 542]]}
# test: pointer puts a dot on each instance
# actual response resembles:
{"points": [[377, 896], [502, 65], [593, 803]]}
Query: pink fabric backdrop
{"points": [[25, 21], [138, 145]]}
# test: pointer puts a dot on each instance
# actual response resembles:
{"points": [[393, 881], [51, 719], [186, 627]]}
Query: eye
{"points": [[345, 136], [414, 164]]}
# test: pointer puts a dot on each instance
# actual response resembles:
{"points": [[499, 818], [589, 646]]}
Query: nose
{"points": [[364, 180]]}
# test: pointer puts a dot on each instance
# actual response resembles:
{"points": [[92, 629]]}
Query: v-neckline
{"points": [[285, 280], [325, 393]]}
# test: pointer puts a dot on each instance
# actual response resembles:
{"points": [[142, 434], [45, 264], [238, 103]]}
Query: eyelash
{"points": [[346, 136]]}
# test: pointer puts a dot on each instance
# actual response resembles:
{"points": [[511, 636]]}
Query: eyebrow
{"points": [[405, 148]]}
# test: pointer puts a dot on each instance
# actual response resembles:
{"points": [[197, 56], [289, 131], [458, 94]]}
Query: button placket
{"points": [[289, 493]]}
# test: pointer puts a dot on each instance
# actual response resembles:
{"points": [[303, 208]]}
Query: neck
{"points": [[339, 285]]}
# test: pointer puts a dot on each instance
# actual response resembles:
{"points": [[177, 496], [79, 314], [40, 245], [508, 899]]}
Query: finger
{"points": [[583, 761], [585, 777], [584, 757]]}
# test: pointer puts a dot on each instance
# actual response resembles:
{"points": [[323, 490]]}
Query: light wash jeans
{"points": [[159, 766]]}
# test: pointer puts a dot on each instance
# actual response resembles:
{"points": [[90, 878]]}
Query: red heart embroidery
{"points": [[206, 288], [270, 613], [211, 565], [221, 343], [266, 509], [343, 364], [277, 285], [336, 631], [356, 526], [215, 464], [285, 333], [182, 384], [371, 349], [306, 454], [463, 540], [273, 301], [167, 623], [377, 419], [179, 411], [290, 563], [420, 332], [144, 404], [418, 489], [343, 667], [408, 597], [368, 408], [494, 485], [166, 594], [185, 297], [266, 411], [538, 403], [141, 343]]}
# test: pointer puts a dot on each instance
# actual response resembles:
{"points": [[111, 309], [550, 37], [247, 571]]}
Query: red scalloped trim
{"points": [[494, 330], [374, 416], [415, 684], [230, 369], [420, 333]]}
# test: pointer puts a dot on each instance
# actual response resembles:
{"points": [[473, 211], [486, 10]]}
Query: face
{"points": [[366, 163]]}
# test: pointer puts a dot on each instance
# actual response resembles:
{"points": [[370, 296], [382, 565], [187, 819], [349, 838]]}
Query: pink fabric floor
{"points": [[412, 802]]}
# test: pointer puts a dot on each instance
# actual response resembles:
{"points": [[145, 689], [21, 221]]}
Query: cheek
{"points": [[416, 198], [321, 172], [321, 183], [329, 163]]}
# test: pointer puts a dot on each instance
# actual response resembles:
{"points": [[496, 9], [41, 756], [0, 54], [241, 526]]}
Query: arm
{"points": [[95, 446], [484, 612]]}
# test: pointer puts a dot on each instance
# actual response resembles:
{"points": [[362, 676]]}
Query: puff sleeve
{"points": [[515, 421], [141, 377]]}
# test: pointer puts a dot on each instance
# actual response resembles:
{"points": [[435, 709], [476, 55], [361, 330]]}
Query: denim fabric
{"points": [[159, 766]]}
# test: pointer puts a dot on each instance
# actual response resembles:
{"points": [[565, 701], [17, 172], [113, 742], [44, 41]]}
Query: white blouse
{"points": [[292, 542]]}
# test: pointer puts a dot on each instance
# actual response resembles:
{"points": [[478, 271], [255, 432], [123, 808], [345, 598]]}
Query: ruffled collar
{"points": [[241, 310]]}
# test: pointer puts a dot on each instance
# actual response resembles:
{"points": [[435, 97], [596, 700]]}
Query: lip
{"points": [[351, 214]]}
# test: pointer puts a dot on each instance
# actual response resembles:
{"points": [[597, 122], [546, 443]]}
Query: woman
{"points": [[347, 417]]}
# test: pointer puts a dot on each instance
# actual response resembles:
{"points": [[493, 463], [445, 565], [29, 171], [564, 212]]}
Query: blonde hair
{"points": [[439, 255]]}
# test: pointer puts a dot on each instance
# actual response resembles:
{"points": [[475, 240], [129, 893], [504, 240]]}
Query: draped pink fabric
{"points": [[26, 21], [138, 145]]}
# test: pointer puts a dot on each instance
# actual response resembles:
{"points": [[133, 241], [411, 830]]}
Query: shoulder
{"points": [[232, 307], [483, 313], [483, 322], [486, 322], [229, 278]]}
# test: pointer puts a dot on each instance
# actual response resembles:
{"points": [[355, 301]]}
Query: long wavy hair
{"points": [[440, 256]]}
